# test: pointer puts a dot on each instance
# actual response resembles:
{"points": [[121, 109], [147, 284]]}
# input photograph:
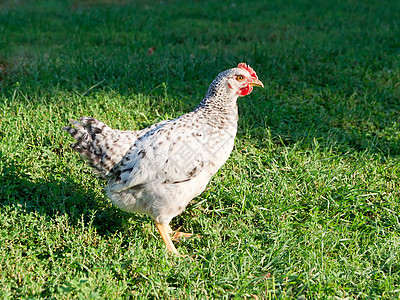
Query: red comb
{"points": [[249, 69]]}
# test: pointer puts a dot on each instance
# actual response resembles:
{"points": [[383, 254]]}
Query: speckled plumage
{"points": [[160, 169]]}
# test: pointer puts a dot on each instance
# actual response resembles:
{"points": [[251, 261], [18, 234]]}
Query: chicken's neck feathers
{"points": [[219, 99]]}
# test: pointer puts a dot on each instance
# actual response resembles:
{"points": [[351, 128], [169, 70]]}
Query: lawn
{"points": [[307, 206]]}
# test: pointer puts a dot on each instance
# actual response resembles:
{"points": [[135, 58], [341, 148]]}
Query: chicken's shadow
{"points": [[55, 197]]}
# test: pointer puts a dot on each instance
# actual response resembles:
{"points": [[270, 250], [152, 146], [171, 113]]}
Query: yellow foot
{"points": [[177, 235], [165, 232]]}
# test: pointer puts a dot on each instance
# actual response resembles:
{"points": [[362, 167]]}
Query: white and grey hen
{"points": [[160, 169]]}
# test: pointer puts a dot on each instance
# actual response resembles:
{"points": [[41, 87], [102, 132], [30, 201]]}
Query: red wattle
{"points": [[245, 91]]}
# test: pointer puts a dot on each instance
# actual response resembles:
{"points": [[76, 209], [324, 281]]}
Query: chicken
{"points": [[160, 169]]}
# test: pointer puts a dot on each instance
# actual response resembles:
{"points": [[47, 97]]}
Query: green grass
{"points": [[306, 207]]}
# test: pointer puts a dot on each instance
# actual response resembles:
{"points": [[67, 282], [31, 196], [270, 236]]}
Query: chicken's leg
{"points": [[165, 231]]}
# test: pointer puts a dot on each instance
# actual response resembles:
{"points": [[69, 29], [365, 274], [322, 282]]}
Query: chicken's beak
{"points": [[257, 82]]}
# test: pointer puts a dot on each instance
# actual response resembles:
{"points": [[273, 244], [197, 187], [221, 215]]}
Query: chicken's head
{"points": [[232, 83], [242, 79]]}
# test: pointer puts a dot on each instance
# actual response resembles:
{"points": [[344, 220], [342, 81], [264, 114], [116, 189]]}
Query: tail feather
{"points": [[100, 145]]}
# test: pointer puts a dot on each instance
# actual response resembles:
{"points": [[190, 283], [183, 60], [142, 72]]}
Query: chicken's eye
{"points": [[239, 77]]}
